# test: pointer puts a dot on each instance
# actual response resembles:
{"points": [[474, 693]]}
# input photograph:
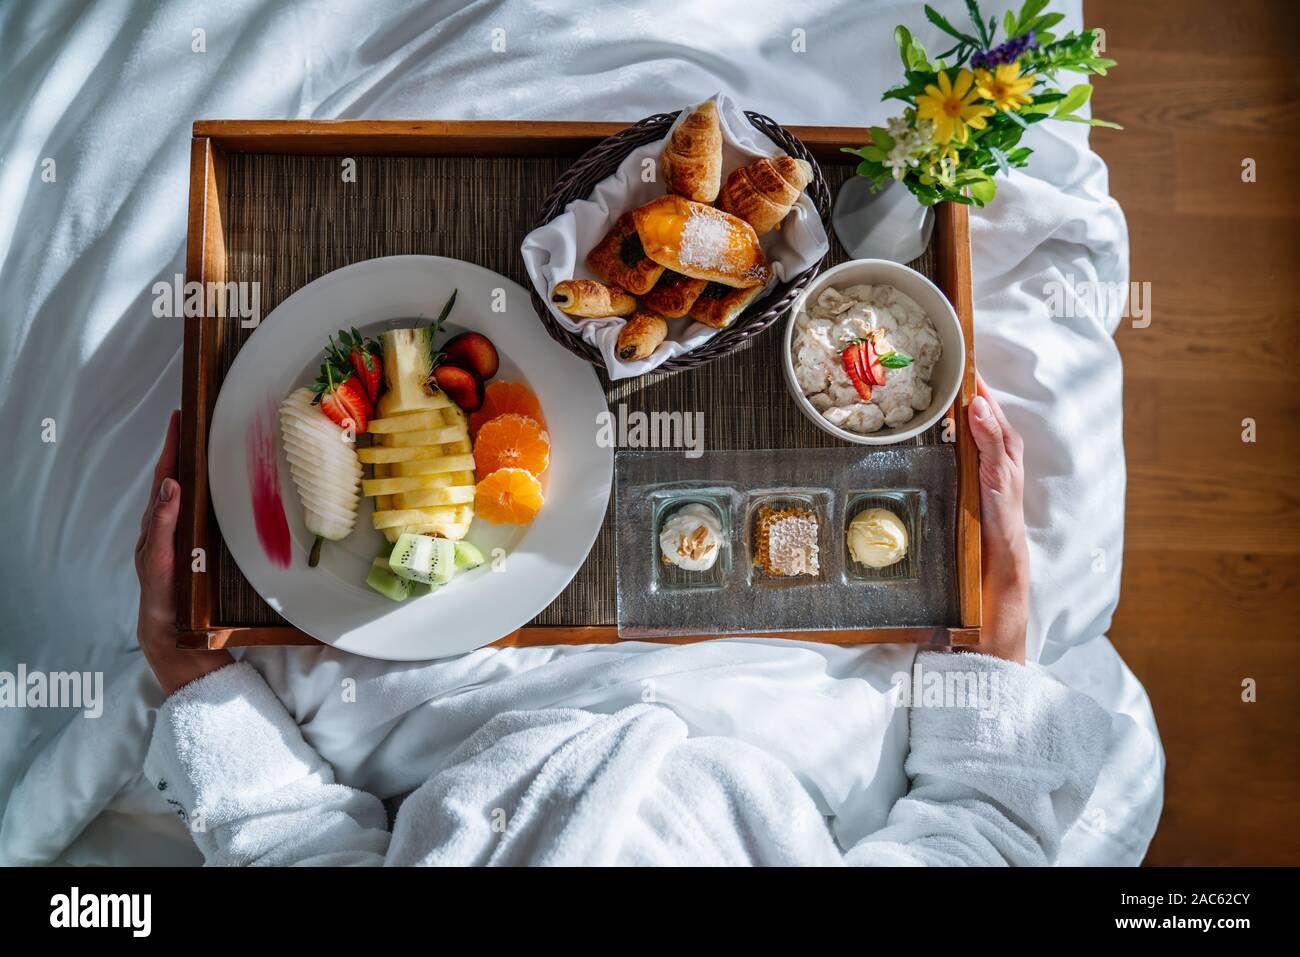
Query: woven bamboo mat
{"points": [[292, 219]]}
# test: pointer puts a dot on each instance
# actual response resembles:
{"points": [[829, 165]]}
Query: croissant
{"points": [[591, 300], [620, 259], [718, 306], [641, 335], [691, 161], [762, 193], [674, 294], [701, 242]]}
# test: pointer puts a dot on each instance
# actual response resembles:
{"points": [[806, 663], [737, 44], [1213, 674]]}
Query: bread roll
{"points": [[620, 259], [701, 242], [589, 299], [641, 335], [674, 294], [763, 192], [719, 306], [691, 161]]}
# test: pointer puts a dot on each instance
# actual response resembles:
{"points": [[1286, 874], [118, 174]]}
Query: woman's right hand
{"points": [[1005, 569]]}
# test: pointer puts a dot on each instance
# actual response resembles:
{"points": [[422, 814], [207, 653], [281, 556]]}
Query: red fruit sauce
{"points": [[264, 486]]}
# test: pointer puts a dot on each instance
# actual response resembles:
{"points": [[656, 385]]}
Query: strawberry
{"points": [[341, 396], [857, 366], [365, 358]]}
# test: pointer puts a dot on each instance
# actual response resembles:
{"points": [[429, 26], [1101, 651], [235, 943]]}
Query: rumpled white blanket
{"points": [[557, 251], [108, 93], [999, 773]]}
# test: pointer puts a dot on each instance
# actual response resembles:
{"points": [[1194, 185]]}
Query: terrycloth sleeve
{"points": [[232, 763], [1003, 759]]}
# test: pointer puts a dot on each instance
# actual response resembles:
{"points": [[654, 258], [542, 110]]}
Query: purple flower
{"points": [[1007, 52]]}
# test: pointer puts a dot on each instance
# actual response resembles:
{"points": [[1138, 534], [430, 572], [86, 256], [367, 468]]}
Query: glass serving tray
{"points": [[656, 599]]}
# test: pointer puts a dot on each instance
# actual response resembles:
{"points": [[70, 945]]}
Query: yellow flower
{"points": [[951, 107], [1005, 87]]}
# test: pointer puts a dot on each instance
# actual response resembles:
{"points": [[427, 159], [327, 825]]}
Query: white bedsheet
{"points": [[108, 93]]}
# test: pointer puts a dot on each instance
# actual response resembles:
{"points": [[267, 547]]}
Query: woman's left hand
{"points": [[155, 564]]}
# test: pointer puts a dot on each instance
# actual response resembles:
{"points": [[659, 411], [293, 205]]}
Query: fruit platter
{"points": [[408, 464]]}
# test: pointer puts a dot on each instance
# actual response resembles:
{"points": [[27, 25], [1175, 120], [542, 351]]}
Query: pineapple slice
{"points": [[461, 495]]}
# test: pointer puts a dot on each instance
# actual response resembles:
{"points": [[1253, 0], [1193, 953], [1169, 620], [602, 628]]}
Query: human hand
{"points": [[1005, 570], [155, 565]]}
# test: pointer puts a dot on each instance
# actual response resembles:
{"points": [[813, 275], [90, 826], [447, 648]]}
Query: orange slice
{"points": [[511, 441], [501, 398], [508, 497]]}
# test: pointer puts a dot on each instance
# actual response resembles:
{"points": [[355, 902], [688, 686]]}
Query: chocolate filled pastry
{"points": [[641, 335], [701, 242], [691, 161], [719, 306], [674, 294], [589, 299], [620, 259], [763, 192]]}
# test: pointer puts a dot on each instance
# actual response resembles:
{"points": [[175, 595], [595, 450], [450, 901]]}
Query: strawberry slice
{"points": [[856, 367], [341, 396], [364, 356], [875, 371]]}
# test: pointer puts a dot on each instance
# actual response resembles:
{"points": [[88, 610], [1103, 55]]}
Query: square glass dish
{"points": [[739, 594]]}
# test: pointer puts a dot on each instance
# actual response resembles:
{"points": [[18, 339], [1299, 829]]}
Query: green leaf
{"points": [[896, 360], [983, 191], [1028, 12], [977, 18], [1044, 23], [937, 18], [1074, 98], [903, 40], [1019, 157], [880, 138], [1009, 24]]}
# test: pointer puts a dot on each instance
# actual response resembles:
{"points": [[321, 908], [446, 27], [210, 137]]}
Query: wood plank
{"points": [[952, 242], [462, 137], [533, 636], [205, 261]]}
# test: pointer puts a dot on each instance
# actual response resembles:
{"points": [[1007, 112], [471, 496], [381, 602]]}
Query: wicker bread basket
{"points": [[603, 160]]}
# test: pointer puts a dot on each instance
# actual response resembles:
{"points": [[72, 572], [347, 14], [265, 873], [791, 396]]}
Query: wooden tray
{"points": [[268, 203]]}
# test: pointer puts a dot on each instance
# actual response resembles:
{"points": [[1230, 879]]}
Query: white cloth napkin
{"points": [[558, 250]]}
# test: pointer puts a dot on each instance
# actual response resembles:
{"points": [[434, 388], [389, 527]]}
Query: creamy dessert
{"points": [[785, 542], [864, 356], [691, 538], [877, 538]]}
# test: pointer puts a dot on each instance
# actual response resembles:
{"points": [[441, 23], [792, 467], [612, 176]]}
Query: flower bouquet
{"points": [[967, 108]]}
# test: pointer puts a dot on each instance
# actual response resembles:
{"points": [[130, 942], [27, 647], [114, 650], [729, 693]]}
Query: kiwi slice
{"points": [[468, 556], [423, 558], [382, 580]]}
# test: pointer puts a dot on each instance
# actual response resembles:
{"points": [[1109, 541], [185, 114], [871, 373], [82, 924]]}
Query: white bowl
{"points": [[947, 375]]}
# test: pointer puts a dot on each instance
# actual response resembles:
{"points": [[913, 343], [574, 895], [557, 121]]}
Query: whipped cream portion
{"points": [[877, 538], [691, 538]]}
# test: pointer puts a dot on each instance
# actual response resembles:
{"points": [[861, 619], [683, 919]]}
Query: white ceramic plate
{"points": [[332, 602]]}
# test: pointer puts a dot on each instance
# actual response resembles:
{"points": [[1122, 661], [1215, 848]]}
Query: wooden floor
{"points": [[1211, 588]]}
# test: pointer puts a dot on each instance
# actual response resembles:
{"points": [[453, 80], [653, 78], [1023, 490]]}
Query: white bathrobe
{"points": [[993, 781]]}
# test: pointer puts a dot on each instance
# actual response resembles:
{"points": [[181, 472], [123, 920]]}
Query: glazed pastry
{"points": [[719, 305], [620, 259], [785, 544], [763, 192], [641, 335], [691, 161], [701, 242], [674, 294], [591, 300]]}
